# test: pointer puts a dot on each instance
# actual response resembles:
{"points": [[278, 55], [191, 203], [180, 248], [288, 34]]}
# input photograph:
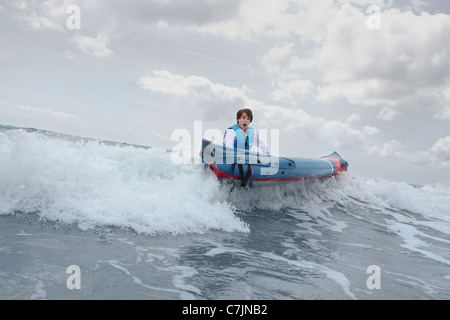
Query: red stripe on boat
{"points": [[338, 164]]}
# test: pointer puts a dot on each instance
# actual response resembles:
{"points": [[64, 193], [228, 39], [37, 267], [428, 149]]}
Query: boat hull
{"points": [[229, 164]]}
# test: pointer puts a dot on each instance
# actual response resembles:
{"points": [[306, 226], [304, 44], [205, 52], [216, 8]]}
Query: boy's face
{"points": [[244, 122]]}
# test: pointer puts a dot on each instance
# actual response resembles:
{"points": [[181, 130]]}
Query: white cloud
{"points": [[271, 60], [367, 67], [444, 113], [441, 150], [21, 5], [93, 46], [438, 155], [370, 130], [56, 8], [39, 15], [385, 66], [388, 114], [215, 98], [298, 123], [291, 88], [353, 118], [166, 82], [52, 15], [390, 149], [288, 84], [218, 100]]}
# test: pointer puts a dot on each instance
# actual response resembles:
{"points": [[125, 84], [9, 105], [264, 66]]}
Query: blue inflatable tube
{"points": [[242, 167]]}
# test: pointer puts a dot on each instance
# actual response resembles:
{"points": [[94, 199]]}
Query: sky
{"points": [[368, 79]]}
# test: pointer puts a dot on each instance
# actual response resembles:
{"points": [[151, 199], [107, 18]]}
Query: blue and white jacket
{"points": [[249, 140]]}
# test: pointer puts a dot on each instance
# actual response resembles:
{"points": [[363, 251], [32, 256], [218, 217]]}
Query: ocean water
{"points": [[88, 219]]}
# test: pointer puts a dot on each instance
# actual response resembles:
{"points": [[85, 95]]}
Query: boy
{"points": [[241, 136]]}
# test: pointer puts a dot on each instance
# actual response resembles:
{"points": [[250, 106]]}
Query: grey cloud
{"points": [[194, 12]]}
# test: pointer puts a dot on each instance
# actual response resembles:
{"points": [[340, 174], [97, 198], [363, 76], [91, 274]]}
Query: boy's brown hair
{"points": [[248, 112]]}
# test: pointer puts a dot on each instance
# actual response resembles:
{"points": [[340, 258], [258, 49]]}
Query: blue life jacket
{"points": [[241, 142]]}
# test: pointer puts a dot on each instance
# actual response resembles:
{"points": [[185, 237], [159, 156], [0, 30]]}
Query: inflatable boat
{"points": [[246, 168]]}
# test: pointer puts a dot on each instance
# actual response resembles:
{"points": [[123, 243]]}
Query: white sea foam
{"points": [[317, 196], [90, 183], [431, 201]]}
